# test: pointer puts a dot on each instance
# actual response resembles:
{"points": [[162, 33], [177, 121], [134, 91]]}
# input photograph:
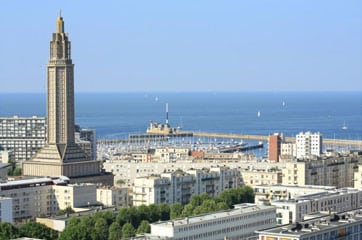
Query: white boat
{"points": [[344, 126], [258, 114]]}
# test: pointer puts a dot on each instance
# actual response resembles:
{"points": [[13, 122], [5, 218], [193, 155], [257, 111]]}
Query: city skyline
{"points": [[188, 46]]}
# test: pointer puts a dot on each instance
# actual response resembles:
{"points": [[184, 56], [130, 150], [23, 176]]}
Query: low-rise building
{"points": [[238, 223], [344, 225], [265, 193], [294, 210]]}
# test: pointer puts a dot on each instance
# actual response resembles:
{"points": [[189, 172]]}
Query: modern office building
{"points": [[308, 145], [294, 210], [61, 156], [179, 186], [23, 136], [343, 225], [238, 223]]}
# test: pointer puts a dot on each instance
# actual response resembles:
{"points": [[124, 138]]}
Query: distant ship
{"points": [[344, 126], [258, 114]]}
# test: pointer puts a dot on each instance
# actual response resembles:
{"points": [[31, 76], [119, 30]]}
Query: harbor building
{"points": [[308, 145], [340, 200], [238, 223], [325, 171], [61, 156], [274, 150], [23, 136], [179, 186], [343, 225]]}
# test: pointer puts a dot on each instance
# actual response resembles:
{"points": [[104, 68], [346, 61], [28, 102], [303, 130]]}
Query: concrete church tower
{"points": [[61, 155]]}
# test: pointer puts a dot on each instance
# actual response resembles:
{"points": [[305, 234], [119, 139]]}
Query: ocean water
{"points": [[115, 115]]}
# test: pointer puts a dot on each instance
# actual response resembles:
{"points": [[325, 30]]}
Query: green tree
{"points": [[154, 213], [108, 216], [115, 231], [37, 230], [195, 200], [128, 231], [222, 206], [143, 213], [100, 231], [144, 227], [71, 231], [164, 212], [176, 210], [188, 210], [133, 217], [8, 231], [123, 216], [17, 171], [67, 210]]}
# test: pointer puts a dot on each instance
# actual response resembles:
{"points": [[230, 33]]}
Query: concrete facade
{"points": [[179, 186], [6, 210], [252, 177], [308, 144], [238, 223], [113, 196]]}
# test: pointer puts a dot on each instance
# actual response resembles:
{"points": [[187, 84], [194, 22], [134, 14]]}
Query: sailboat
{"points": [[258, 114], [344, 126]]}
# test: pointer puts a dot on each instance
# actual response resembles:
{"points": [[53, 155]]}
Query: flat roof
{"points": [[217, 215], [25, 182]]}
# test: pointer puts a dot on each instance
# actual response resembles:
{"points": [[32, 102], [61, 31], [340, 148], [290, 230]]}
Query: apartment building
{"points": [[127, 170], [308, 144], [265, 193], [274, 149], [180, 185], [294, 210], [46, 196], [6, 213], [113, 196], [256, 176], [344, 225], [238, 223], [327, 171], [24, 136]]}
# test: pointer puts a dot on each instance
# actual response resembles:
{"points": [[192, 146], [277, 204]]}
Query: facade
{"points": [[113, 196], [294, 210], [266, 193], [238, 223], [274, 146], [179, 186], [308, 145], [87, 137], [358, 177], [288, 150], [327, 171], [252, 177], [344, 225], [61, 156], [128, 170], [23, 136], [46, 196], [6, 213]]}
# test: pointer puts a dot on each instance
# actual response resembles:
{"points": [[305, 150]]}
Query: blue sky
{"points": [[189, 45]]}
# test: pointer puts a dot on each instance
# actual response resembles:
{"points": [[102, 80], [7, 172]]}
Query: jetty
{"points": [[150, 137]]}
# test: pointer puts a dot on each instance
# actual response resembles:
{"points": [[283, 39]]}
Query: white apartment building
{"points": [[22, 135], [170, 154], [265, 193], [113, 196], [358, 177], [238, 223], [340, 200], [6, 213], [46, 196], [128, 170], [327, 171], [179, 186], [308, 144], [288, 150], [344, 225]]}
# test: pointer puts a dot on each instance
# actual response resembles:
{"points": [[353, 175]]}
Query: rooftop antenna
{"points": [[60, 12]]}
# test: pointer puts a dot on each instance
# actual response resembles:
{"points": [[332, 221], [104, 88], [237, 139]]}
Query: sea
{"points": [[116, 115]]}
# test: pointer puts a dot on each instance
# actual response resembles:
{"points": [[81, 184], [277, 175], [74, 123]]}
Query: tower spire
{"points": [[60, 23]]}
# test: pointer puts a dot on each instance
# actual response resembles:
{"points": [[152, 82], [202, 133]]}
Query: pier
{"points": [[150, 137]]}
